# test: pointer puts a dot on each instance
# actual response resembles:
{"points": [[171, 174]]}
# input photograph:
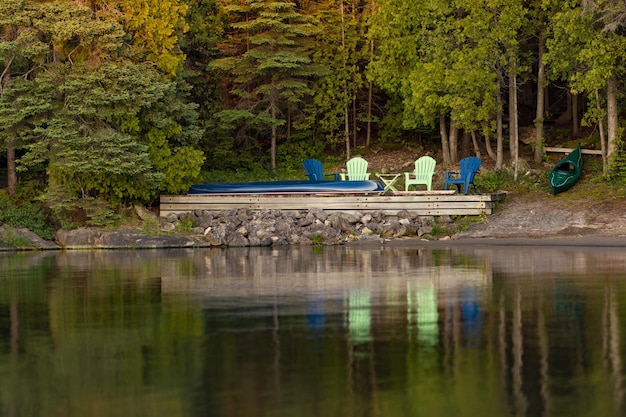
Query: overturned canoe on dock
{"points": [[566, 172], [290, 187]]}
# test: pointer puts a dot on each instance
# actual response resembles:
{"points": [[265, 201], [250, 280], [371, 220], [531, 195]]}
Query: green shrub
{"points": [[70, 211], [289, 157], [490, 182], [103, 217], [150, 226], [618, 167], [27, 215], [185, 225]]}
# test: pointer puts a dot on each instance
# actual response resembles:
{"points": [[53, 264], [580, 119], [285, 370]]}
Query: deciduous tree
{"points": [[157, 27], [447, 59], [588, 50]]}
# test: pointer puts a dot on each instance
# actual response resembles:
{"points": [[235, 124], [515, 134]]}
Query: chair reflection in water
{"points": [[360, 316], [422, 313]]}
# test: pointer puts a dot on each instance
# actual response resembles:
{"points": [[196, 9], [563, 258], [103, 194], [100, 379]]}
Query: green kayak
{"points": [[566, 172]]}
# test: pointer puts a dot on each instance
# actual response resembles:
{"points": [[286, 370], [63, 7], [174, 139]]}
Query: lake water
{"points": [[314, 331]]}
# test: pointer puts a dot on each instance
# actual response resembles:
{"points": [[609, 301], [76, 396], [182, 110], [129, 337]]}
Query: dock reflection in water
{"points": [[314, 331]]}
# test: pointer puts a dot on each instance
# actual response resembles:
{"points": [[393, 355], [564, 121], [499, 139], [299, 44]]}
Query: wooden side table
{"points": [[389, 181]]}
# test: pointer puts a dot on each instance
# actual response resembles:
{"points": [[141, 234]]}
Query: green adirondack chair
{"points": [[423, 173], [357, 170]]}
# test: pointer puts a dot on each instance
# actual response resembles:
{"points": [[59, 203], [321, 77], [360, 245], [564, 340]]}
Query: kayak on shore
{"points": [[566, 172]]}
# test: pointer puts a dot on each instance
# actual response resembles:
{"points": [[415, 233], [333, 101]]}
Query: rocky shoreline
{"points": [[514, 219], [242, 227]]}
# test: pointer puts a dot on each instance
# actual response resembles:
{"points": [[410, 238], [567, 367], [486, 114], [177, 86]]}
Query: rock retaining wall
{"points": [[243, 227]]}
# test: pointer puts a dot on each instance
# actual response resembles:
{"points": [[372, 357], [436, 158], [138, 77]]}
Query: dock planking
{"points": [[426, 203]]}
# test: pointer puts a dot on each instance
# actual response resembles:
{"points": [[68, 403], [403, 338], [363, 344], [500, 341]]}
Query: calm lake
{"points": [[344, 331]]}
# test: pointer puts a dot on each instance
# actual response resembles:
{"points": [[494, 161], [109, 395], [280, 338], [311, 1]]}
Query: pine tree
{"points": [[269, 66], [102, 126], [343, 52]]}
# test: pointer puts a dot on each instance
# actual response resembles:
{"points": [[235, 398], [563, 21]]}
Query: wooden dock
{"points": [[426, 203]]}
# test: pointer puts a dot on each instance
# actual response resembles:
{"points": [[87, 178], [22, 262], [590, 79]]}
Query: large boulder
{"points": [[88, 238], [20, 238]]}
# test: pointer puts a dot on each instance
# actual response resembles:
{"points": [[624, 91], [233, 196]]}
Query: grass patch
{"points": [[438, 230], [317, 239], [464, 223]]}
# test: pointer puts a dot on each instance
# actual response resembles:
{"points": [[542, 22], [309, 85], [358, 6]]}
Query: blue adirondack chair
{"points": [[357, 170], [468, 169], [423, 173], [313, 169]]}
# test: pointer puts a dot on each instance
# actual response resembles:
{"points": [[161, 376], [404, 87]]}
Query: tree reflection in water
{"points": [[350, 331]]}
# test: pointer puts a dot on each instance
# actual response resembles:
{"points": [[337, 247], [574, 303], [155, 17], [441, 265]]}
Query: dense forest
{"points": [[104, 103]]}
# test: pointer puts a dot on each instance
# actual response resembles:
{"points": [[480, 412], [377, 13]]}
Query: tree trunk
{"points": [[353, 86], [11, 168], [490, 151], [499, 128], [466, 141], [347, 129], [5, 77], [612, 117], [445, 147], [540, 114], [454, 142], [354, 125], [566, 117], [370, 98], [346, 108], [601, 132], [475, 143], [370, 93], [274, 134], [513, 125], [288, 133], [575, 122]]}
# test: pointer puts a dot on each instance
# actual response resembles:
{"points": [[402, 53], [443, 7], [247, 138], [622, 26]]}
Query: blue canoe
{"points": [[290, 187]]}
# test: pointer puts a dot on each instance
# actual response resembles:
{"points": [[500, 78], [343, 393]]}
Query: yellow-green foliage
{"points": [[157, 26], [180, 167]]}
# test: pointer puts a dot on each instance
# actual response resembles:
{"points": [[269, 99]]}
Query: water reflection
{"points": [[347, 331]]}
